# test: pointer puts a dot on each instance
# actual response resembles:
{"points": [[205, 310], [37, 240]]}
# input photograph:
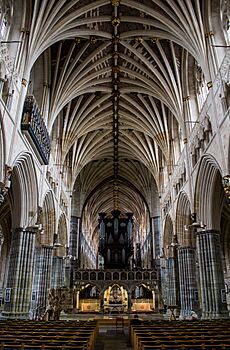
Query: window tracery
{"points": [[225, 16], [6, 8], [201, 86]]}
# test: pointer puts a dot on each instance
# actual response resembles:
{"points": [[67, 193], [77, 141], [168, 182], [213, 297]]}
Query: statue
{"points": [[55, 305]]}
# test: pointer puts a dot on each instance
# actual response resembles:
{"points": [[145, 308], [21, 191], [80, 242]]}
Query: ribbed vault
{"points": [[120, 73]]}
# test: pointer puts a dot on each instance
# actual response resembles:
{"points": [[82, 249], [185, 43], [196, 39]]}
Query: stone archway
{"points": [[168, 235], [144, 297], [48, 219], [169, 292], [43, 256], [208, 204], [23, 200], [61, 236], [186, 255], [183, 221], [24, 192]]}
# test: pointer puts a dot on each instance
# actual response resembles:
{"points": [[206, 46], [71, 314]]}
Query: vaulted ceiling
{"points": [[119, 73]]}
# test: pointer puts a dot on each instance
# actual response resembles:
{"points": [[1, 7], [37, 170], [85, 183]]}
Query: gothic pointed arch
{"points": [[61, 236], [183, 221], [24, 192], [168, 234], [48, 219], [209, 194]]}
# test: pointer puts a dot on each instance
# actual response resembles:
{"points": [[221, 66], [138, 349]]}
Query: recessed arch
{"points": [[208, 199], [23, 193], [184, 233], [48, 219], [62, 236], [168, 234]]}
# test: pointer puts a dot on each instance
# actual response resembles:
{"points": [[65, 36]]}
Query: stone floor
{"points": [[112, 340]]}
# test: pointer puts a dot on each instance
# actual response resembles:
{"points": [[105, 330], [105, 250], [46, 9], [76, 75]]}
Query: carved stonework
{"points": [[3, 194], [226, 186], [9, 62], [115, 2], [4, 186]]}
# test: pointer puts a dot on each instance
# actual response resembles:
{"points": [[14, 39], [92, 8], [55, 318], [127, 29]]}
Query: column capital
{"points": [[204, 231], [184, 248], [47, 247], [25, 229], [76, 217]]}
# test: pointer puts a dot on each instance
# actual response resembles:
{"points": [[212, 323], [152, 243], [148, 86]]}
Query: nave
{"points": [[114, 170]]}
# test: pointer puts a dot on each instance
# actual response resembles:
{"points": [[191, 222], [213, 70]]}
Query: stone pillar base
{"points": [[14, 315], [215, 316]]}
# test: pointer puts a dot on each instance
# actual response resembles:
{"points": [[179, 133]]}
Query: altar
{"points": [[120, 308]]}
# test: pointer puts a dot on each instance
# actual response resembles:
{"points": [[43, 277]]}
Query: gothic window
{"points": [[4, 25], [225, 16], [5, 19], [201, 86]]}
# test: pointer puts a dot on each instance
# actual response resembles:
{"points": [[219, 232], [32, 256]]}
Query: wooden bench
{"points": [[181, 335], [48, 335]]}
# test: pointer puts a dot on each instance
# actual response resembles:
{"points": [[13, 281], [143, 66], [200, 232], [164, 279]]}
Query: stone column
{"points": [[153, 295], [58, 272], [77, 300], [213, 297], [156, 298], [101, 302], [155, 225], [187, 280], [172, 274], [75, 226], [20, 275], [68, 278], [129, 302], [42, 279], [102, 233]]}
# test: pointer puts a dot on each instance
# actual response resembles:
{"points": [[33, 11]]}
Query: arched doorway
{"points": [[115, 299], [88, 299], [212, 216], [143, 298]]}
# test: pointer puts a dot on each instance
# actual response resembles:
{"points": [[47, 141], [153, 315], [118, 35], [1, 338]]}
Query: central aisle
{"points": [[113, 334], [113, 341]]}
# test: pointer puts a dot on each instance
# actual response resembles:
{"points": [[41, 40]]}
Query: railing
{"points": [[33, 122], [115, 275]]}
